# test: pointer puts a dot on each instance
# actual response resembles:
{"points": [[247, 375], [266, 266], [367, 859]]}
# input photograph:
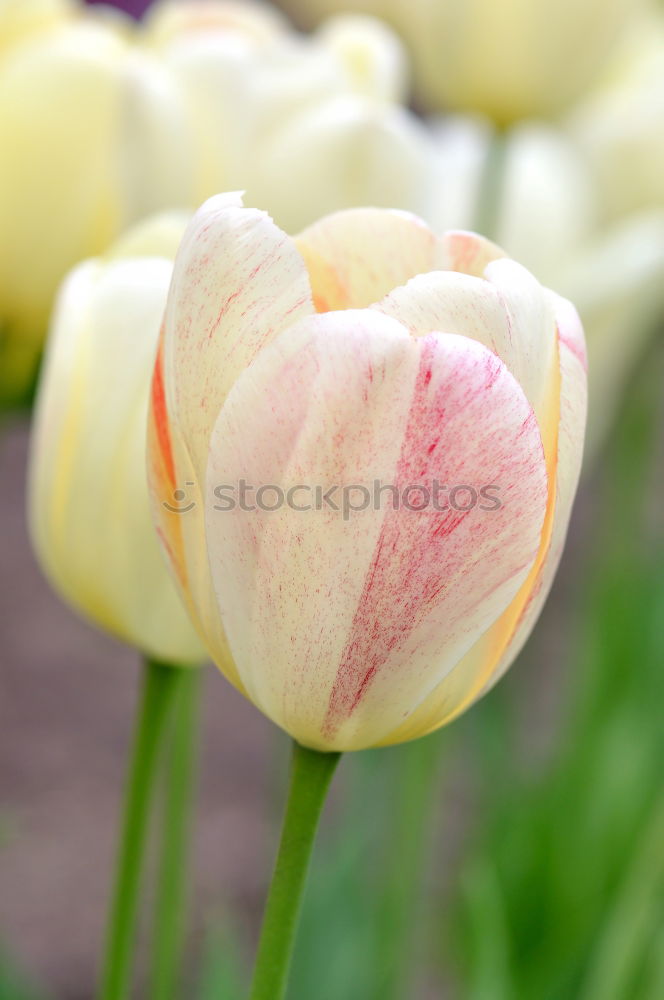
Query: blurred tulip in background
{"points": [[509, 60], [95, 137], [89, 513], [105, 122], [19, 19], [548, 212]]}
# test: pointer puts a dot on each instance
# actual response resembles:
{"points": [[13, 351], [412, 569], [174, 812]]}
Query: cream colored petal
{"points": [[573, 408], [158, 236], [370, 52], [22, 19], [94, 138], [356, 257], [237, 282], [89, 511], [511, 60], [339, 627]]}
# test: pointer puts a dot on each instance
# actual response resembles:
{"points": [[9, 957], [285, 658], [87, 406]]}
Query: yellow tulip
{"points": [[88, 501], [104, 122], [94, 138], [510, 59], [364, 351], [304, 125], [620, 126], [20, 19]]}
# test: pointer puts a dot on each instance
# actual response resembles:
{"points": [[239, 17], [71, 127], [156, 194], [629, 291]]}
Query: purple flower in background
{"points": [[134, 7]]}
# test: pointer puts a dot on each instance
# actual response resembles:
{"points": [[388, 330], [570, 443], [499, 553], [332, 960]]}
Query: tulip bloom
{"points": [[619, 125], [89, 513], [19, 19], [367, 348], [105, 121], [510, 60], [94, 139]]}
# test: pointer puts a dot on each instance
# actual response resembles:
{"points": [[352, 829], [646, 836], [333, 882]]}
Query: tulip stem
{"points": [[310, 777], [160, 687], [492, 182], [171, 896]]}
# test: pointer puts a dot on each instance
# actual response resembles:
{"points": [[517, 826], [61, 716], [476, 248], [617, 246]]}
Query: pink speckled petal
{"points": [[508, 311], [497, 649], [340, 627]]}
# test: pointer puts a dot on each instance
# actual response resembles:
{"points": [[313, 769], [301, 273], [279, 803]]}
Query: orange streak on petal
{"points": [[327, 290], [160, 416]]}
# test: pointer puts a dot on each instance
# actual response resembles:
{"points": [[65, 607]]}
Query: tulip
{"points": [[93, 535], [20, 19], [619, 125], [106, 122], [509, 60], [305, 126], [94, 139], [366, 348], [88, 502]]}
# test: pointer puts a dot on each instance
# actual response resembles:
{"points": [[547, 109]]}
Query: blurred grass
{"points": [[562, 889], [14, 985]]}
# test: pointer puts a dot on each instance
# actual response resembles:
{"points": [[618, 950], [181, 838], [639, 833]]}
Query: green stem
{"points": [[490, 195], [171, 897], [311, 773], [160, 686]]}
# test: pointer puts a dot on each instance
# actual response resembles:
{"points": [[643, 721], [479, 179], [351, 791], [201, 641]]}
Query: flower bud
{"points": [[315, 390], [88, 503]]}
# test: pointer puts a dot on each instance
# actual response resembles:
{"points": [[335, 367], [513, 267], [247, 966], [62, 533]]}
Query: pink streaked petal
{"points": [[508, 311], [488, 660], [340, 627]]}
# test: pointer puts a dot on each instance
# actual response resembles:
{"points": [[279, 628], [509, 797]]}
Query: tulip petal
{"points": [[467, 252], [341, 626], [356, 256], [89, 512], [573, 410], [509, 312], [483, 666], [237, 282]]}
